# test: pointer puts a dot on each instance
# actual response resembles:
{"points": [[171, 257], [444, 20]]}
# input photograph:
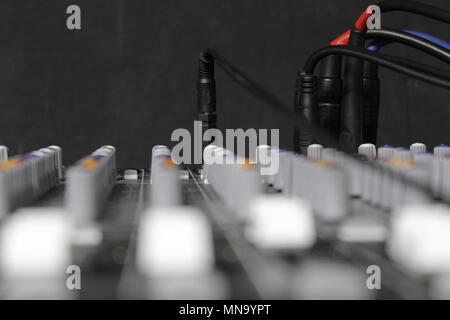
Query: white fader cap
{"points": [[369, 150], [59, 162], [386, 152], [209, 156], [35, 244], [291, 228], [441, 150], [418, 147], [174, 242], [263, 162], [420, 238], [159, 153], [3, 153], [329, 155], [314, 151]]}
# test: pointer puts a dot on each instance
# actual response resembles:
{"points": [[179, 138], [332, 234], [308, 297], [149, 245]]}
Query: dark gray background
{"points": [[128, 77]]}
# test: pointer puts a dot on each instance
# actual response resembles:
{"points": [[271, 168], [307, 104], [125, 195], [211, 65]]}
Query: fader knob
{"points": [[35, 245], [386, 152], [314, 152], [369, 150], [159, 155], [292, 228], [418, 147], [419, 238], [264, 163], [166, 187], [441, 150], [3, 153], [209, 154], [174, 242], [59, 164], [403, 154], [329, 155]]}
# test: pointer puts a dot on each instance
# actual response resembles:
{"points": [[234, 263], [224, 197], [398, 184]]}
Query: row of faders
{"points": [[426, 170], [329, 178], [382, 195], [25, 177], [395, 186], [88, 185], [36, 243], [419, 228], [276, 225]]}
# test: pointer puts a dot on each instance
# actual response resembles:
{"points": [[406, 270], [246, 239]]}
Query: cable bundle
{"points": [[348, 108]]}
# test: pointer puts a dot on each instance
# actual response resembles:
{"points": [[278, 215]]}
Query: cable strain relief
{"points": [[357, 38], [206, 64], [308, 84], [331, 67], [329, 89]]}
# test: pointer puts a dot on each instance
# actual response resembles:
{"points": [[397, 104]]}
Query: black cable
{"points": [[371, 86], [392, 35], [270, 100], [371, 102], [371, 82], [438, 72], [206, 92], [377, 58], [351, 126], [371, 92], [259, 91], [422, 9], [352, 129]]}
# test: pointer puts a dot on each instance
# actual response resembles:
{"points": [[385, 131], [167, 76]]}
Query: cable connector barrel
{"points": [[329, 90], [305, 103], [206, 92]]}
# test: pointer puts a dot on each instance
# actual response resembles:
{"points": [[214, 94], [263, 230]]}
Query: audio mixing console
{"points": [[311, 230], [336, 216]]}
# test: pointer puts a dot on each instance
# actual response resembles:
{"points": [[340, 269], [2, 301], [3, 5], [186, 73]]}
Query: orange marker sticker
{"points": [[90, 164], [168, 163]]}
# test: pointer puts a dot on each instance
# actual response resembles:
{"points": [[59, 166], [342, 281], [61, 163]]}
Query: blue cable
{"points": [[376, 46]]}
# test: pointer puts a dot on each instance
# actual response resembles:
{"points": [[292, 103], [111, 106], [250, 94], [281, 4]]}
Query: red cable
{"points": [[360, 24], [342, 40]]}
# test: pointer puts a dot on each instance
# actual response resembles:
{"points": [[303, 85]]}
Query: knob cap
{"points": [[386, 152], [369, 150], [314, 152], [418, 147], [3, 153], [441, 150], [403, 154], [329, 154]]}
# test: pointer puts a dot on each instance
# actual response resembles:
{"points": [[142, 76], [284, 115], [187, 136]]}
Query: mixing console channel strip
{"points": [[309, 230]]}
